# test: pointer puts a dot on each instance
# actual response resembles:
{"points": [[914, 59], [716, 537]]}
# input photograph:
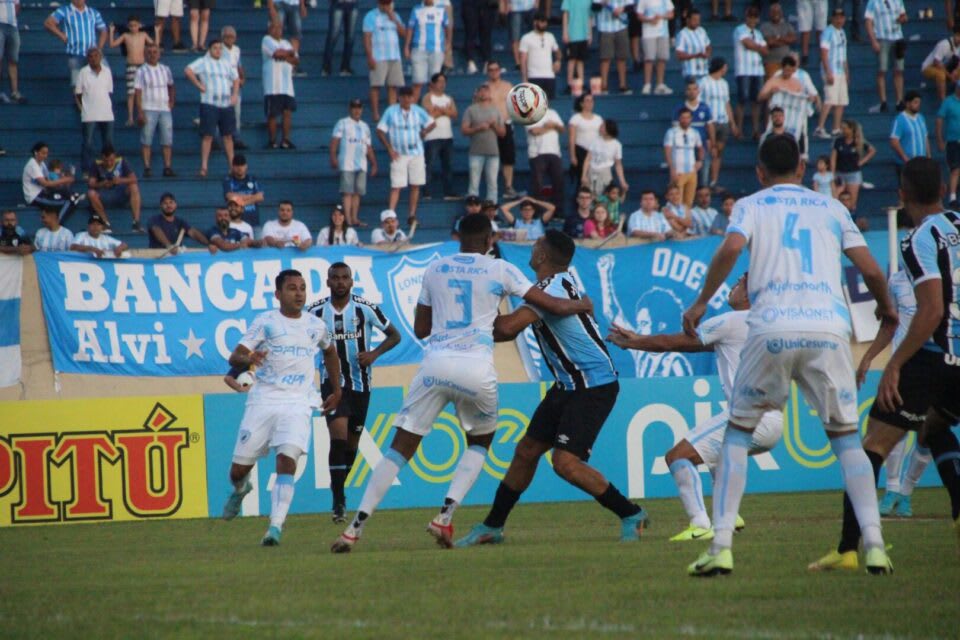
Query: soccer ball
{"points": [[245, 379], [526, 103]]}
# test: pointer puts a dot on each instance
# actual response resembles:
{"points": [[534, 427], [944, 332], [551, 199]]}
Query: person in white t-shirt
{"points": [[95, 241], [92, 93], [540, 57], [389, 231], [438, 143], [285, 231], [338, 232], [543, 149], [603, 159], [282, 346], [459, 300], [584, 128], [235, 209], [231, 50], [942, 64]]}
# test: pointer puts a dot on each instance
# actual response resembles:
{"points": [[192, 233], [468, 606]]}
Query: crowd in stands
{"points": [[770, 82]]}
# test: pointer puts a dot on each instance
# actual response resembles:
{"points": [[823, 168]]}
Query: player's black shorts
{"points": [[925, 381], [353, 406], [571, 420]]}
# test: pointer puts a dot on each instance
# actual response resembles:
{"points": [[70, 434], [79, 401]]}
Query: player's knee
{"points": [[565, 463]]}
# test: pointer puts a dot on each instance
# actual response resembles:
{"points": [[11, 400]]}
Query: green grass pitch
{"points": [[560, 574]]}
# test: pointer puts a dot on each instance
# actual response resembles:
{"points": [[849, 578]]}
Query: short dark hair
{"points": [[752, 12], [728, 196], [37, 146], [107, 150], [437, 76], [716, 64], [338, 265], [560, 246], [585, 190], [920, 181], [788, 61], [526, 202], [779, 154], [683, 110], [613, 130], [214, 41], [777, 110], [474, 225], [405, 91], [644, 192], [911, 95], [283, 275], [134, 18], [283, 202], [239, 160], [490, 62], [693, 11]]}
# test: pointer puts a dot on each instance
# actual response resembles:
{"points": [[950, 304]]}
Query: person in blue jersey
{"points": [[458, 303], [570, 417], [799, 330], [724, 334], [351, 322], [282, 346]]}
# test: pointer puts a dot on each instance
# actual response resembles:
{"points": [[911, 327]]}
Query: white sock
{"points": [[918, 464], [280, 500], [380, 480], [731, 482], [858, 480], [691, 492], [466, 474], [894, 464]]}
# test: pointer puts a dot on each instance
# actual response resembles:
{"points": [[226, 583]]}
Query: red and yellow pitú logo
{"points": [[110, 459]]}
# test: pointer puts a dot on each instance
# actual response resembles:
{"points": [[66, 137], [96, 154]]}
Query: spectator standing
{"points": [[479, 17], [600, 225], [655, 16], [113, 183], [647, 223], [584, 129], [438, 143], [165, 227], [447, 6], [279, 100], [95, 241], [540, 57], [80, 28], [604, 158], [948, 139], [92, 93], [577, 36], [519, 15], [225, 237], [683, 150], [154, 95], [382, 30], [833, 66], [200, 23], [51, 236], [780, 36], [716, 93], [351, 153], [792, 90], [702, 122], [543, 149], [506, 146], [909, 137], [10, 49], [231, 51], [172, 9], [338, 232], [883, 19], [219, 85], [13, 239], [40, 189], [285, 231], [851, 151], [235, 210], [401, 131], [483, 124], [246, 189], [694, 48], [612, 23], [528, 222], [389, 231], [749, 48], [134, 42], [942, 64], [426, 42], [289, 13], [702, 214], [573, 225], [811, 16], [342, 19]]}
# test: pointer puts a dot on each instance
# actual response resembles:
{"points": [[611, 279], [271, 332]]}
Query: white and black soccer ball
{"points": [[526, 103], [246, 379]]}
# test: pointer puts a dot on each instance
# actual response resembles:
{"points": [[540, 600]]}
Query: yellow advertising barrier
{"points": [[102, 460]]}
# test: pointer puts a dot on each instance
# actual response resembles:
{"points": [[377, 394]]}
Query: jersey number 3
{"points": [[801, 242], [465, 299]]}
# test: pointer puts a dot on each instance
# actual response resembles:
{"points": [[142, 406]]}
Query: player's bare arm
{"points": [[507, 327], [244, 357], [876, 283], [423, 321], [626, 339], [331, 362], [367, 358], [557, 306], [884, 337], [720, 267]]}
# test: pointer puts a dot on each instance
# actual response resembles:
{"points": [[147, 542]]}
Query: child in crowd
{"points": [[676, 213], [823, 178], [54, 170], [132, 43], [600, 225], [611, 198]]}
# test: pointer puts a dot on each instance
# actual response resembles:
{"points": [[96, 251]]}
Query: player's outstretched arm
{"points": [[508, 327], [720, 267], [331, 362], [557, 306], [423, 321], [626, 339]]}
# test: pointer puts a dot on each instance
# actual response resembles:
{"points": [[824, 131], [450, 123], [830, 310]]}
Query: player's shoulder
{"points": [[363, 302], [316, 308]]}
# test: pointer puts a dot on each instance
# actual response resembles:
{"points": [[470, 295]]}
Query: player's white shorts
{"points": [[272, 425], [821, 365], [811, 15], [167, 8], [707, 437], [469, 383]]}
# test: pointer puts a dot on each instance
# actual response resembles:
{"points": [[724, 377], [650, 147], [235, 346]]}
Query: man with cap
{"points": [[389, 231], [472, 204], [95, 241], [351, 153], [244, 187], [401, 131], [165, 227]]}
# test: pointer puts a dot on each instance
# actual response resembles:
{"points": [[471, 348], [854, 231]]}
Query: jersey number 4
{"points": [[465, 299], [801, 242]]}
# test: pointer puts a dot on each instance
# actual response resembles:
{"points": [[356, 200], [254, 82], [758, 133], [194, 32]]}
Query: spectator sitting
{"points": [[604, 157], [573, 224], [351, 153], [42, 190], [285, 231], [95, 241], [611, 198], [113, 183], [531, 226], [720, 223], [471, 205], [132, 45], [244, 188], [224, 236], [51, 236], [490, 209], [92, 93], [599, 225], [823, 179], [389, 231], [702, 214], [676, 212], [943, 63], [235, 211], [13, 239], [165, 228], [338, 232], [647, 223], [845, 199]]}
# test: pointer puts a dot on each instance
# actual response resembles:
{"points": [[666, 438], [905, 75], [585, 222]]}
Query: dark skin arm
{"points": [[557, 306], [626, 339], [367, 358], [244, 358], [423, 321], [508, 327]]}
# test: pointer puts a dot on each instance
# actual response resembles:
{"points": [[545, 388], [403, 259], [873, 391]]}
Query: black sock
{"points": [[349, 457], [850, 533], [503, 504], [615, 501], [946, 455], [338, 471]]}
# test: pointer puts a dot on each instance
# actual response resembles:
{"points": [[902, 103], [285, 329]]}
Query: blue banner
{"points": [[649, 418]]}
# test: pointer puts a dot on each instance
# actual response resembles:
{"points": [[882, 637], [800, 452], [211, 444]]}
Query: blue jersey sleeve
{"points": [[919, 252]]}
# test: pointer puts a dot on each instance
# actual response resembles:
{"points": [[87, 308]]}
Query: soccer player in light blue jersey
{"points": [[570, 417], [455, 313], [799, 330]]}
